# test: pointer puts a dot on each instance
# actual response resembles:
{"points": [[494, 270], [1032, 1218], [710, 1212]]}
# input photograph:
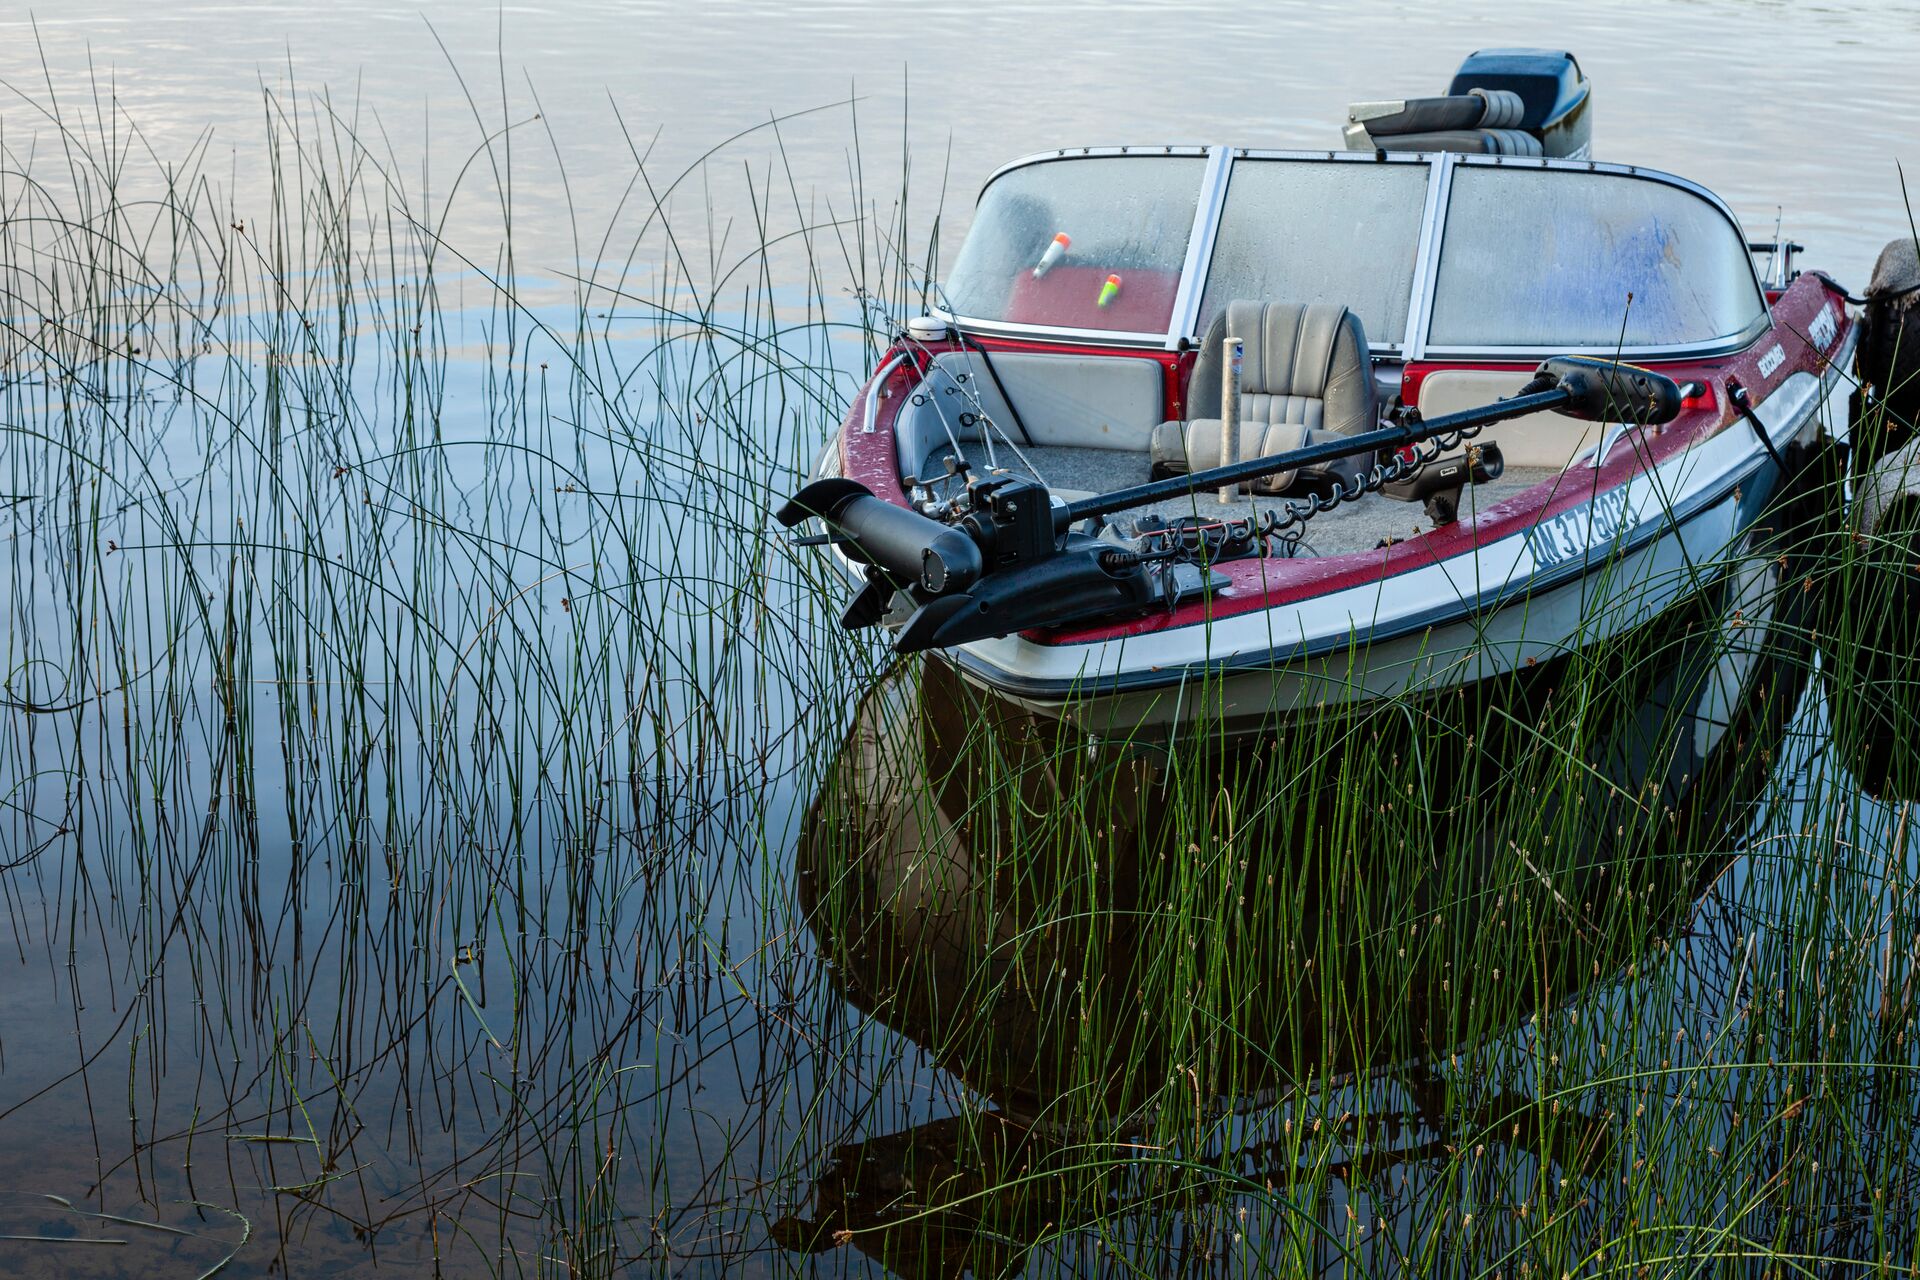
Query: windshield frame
{"points": [[1181, 332], [1206, 220]]}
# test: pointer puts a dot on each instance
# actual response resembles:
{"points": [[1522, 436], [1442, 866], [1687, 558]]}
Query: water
{"points": [[1799, 112], [438, 910]]}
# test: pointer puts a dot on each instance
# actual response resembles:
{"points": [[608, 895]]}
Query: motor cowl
{"points": [[1887, 360], [1011, 521]]}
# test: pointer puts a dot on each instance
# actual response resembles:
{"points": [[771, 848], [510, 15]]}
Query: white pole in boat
{"points": [[1235, 350]]}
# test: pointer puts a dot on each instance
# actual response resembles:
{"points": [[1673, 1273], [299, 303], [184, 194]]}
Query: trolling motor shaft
{"points": [[1579, 387], [1012, 560]]}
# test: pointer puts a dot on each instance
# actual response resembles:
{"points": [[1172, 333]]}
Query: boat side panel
{"points": [[1462, 651]]}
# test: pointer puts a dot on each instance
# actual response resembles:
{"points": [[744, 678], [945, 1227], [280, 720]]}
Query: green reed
{"points": [[403, 689]]}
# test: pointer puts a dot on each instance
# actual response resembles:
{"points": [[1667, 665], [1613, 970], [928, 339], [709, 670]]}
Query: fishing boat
{"points": [[1226, 432]]}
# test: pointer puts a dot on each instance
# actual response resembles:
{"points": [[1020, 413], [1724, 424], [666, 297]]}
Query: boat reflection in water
{"points": [[1254, 969]]}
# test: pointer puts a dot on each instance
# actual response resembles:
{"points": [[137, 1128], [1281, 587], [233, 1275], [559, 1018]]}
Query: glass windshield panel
{"points": [[1089, 243], [1548, 258], [1320, 231]]}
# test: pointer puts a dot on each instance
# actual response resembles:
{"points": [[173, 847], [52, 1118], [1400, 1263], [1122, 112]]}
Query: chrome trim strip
{"points": [[1054, 333], [1074, 153], [1725, 345], [1344, 157], [1426, 256], [1206, 226]]}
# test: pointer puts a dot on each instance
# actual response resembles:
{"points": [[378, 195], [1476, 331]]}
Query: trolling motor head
{"points": [[1007, 521], [909, 550], [1607, 390]]}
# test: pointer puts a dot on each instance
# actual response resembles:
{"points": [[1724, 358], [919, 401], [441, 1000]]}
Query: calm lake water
{"points": [[1793, 112], [376, 901]]}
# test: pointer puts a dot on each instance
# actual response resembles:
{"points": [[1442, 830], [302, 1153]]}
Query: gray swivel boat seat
{"points": [[1305, 376]]}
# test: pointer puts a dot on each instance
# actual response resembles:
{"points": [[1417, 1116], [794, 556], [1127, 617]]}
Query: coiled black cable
{"points": [[1403, 464]]}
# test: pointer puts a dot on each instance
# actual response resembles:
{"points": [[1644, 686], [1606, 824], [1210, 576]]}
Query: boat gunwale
{"points": [[1146, 677], [1150, 677]]}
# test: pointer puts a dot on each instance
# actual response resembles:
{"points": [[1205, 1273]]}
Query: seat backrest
{"points": [[1303, 363]]}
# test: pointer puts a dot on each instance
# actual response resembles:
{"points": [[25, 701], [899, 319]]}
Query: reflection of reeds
{"points": [[412, 730]]}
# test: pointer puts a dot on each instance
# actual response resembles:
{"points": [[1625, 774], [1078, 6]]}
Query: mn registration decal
{"points": [[1569, 535]]}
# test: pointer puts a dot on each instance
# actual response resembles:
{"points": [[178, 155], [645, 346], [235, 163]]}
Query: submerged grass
{"points": [[454, 822]]}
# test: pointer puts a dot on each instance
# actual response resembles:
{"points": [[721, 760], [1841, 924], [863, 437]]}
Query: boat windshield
{"points": [[1094, 242], [1539, 258], [1462, 255], [1320, 231]]}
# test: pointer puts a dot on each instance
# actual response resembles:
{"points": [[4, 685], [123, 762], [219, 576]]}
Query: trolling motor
{"points": [[1009, 558]]}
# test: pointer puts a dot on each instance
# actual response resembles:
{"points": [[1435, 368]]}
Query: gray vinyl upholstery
{"points": [[1305, 375]]}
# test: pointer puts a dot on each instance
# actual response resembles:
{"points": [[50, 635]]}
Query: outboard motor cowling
{"points": [[1888, 358], [1869, 633], [1514, 102]]}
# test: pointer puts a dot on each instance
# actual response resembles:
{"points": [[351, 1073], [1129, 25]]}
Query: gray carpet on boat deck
{"points": [[1352, 526]]}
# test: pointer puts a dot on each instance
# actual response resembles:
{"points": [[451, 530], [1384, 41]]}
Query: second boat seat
{"points": [[1305, 375]]}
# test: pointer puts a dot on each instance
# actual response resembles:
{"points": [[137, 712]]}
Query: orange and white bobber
{"points": [[1055, 251]]}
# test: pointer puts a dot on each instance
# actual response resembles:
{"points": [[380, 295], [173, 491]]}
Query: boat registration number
{"points": [[1570, 534], [1824, 329]]}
